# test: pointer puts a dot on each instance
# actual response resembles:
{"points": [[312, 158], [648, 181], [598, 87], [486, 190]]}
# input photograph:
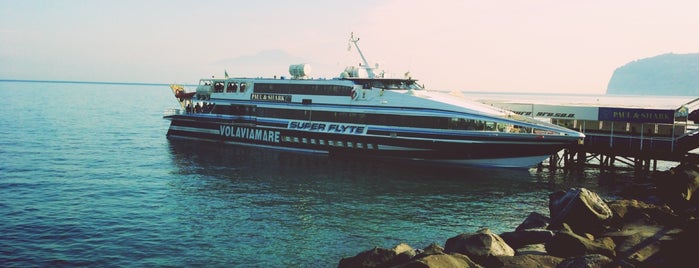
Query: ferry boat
{"points": [[362, 114]]}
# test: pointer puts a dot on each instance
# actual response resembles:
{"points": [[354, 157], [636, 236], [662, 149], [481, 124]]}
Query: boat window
{"points": [[378, 84], [243, 85], [391, 84], [518, 129], [434, 122], [303, 89], [457, 123], [218, 87], [467, 124], [232, 87], [491, 126]]}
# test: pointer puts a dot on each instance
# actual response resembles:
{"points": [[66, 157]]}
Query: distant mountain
{"points": [[667, 75]]}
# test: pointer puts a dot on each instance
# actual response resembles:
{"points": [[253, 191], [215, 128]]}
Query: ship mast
{"points": [[369, 70]]}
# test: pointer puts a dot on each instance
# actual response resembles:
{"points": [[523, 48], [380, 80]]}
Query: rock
{"points": [[534, 249], [518, 239], [479, 246], [587, 261], [678, 186], [379, 257], [637, 244], [567, 244], [582, 209], [441, 261], [644, 191], [633, 211], [534, 221], [541, 261], [432, 249], [682, 250], [584, 231]]}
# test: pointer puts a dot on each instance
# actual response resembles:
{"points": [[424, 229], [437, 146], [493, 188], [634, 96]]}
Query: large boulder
{"points": [[541, 261], [531, 231], [432, 249], [533, 249], [592, 260], [644, 244], [518, 239], [441, 261], [567, 244], [534, 221], [379, 257], [630, 211], [584, 211], [678, 186], [479, 246]]}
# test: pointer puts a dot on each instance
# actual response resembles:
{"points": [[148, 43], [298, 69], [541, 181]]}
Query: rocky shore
{"points": [[651, 224]]}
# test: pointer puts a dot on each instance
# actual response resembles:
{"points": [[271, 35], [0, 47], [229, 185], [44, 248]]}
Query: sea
{"points": [[88, 178]]}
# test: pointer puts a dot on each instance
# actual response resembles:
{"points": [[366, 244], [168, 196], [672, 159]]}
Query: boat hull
{"points": [[492, 150]]}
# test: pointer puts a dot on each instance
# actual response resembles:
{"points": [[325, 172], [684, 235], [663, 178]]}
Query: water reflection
{"points": [[291, 174], [242, 162], [348, 205]]}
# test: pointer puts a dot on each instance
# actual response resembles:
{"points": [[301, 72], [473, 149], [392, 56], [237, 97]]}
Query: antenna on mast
{"points": [[369, 70]]}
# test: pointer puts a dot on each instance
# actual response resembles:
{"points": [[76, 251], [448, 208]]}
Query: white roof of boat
{"points": [[582, 100]]}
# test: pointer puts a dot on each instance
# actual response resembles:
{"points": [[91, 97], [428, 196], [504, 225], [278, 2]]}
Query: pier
{"points": [[621, 131]]}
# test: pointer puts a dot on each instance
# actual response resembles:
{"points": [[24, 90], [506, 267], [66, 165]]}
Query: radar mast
{"points": [[369, 70]]}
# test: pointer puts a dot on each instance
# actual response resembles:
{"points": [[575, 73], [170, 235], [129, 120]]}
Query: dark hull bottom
{"points": [[508, 153]]}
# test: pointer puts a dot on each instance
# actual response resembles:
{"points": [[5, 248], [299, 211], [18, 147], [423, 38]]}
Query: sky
{"points": [[538, 46]]}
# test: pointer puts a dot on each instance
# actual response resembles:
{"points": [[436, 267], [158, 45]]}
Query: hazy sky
{"points": [[555, 46]]}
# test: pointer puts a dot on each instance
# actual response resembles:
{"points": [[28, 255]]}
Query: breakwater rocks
{"points": [[650, 225]]}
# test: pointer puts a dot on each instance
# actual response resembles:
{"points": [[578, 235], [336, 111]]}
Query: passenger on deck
{"points": [[208, 108], [189, 108], [197, 108], [234, 87]]}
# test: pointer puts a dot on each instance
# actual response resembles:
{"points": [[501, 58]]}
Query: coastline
{"points": [[651, 223]]}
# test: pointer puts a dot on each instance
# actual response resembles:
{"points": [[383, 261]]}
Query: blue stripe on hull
{"points": [[212, 123]]}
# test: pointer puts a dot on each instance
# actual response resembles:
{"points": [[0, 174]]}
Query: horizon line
{"points": [[84, 82]]}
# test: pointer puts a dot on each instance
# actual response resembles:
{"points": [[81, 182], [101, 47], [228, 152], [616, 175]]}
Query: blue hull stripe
{"points": [[214, 123]]}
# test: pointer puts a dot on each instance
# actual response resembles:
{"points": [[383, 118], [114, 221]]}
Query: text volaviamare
{"points": [[249, 133], [274, 136]]}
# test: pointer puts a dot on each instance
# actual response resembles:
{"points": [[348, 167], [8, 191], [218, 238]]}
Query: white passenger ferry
{"points": [[363, 116]]}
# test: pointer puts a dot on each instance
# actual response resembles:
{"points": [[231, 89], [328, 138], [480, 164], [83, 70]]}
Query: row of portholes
{"points": [[331, 143]]}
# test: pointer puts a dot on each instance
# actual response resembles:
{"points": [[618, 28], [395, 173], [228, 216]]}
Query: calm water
{"points": [[87, 178]]}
